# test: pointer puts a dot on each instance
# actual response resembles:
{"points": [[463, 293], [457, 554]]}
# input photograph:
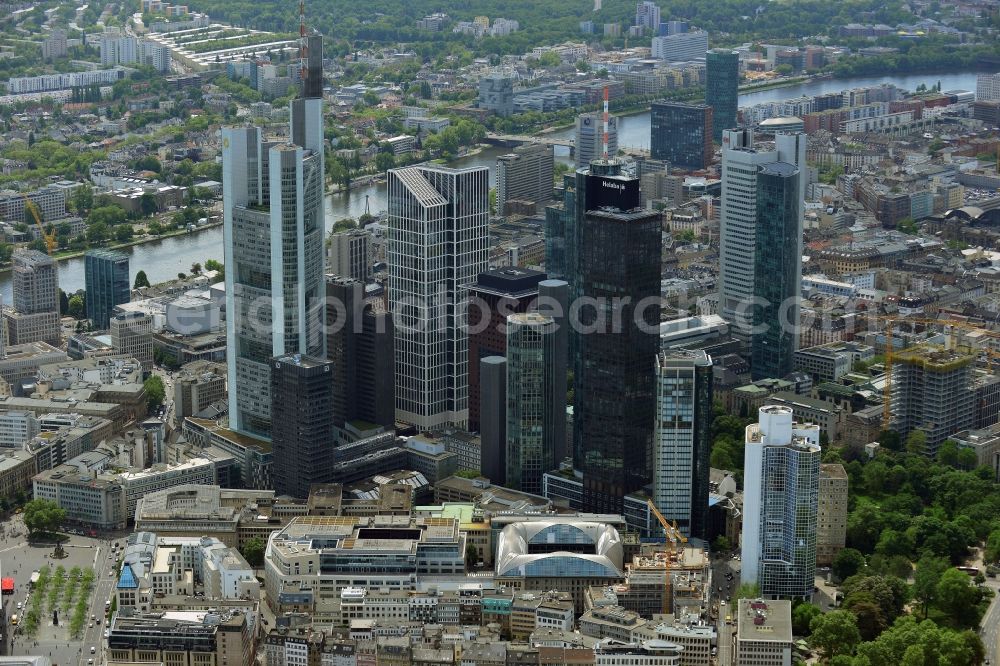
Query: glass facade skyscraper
{"points": [[106, 276], [533, 400], [617, 256], [681, 134], [437, 245], [273, 222], [780, 504], [722, 81], [683, 439], [777, 268]]}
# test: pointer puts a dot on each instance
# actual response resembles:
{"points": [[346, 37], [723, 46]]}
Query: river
{"points": [[163, 259]]}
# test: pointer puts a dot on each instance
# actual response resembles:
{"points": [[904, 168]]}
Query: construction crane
{"points": [[673, 536], [50, 239], [890, 322]]}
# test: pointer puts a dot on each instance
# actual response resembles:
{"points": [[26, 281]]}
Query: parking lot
{"points": [[19, 560]]}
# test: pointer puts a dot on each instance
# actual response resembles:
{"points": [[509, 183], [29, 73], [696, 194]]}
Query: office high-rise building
{"points": [[831, 515], [777, 272], [681, 134], [618, 248], [492, 297], [536, 400], [780, 500], [350, 254], [647, 15], [359, 343], [35, 317], [988, 87], [496, 94], [493, 423], [559, 224], [524, 175], [132, 334], [302, 433], [722, 81], [274, 226], [437, 245], [741, 164], [589, 142], [683, 439], [35, 282], [932, 390], [106, 278]]}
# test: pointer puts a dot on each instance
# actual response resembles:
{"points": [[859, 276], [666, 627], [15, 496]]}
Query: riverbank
{"points": [[76, 254]]}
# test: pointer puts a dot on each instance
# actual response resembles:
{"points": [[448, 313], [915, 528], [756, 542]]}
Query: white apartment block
{"points": [[46, 82], [988, 87], [681, 47]]}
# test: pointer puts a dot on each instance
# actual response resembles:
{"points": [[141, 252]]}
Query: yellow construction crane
{"points": [[50, 239], [673, 536], [890, 322]]}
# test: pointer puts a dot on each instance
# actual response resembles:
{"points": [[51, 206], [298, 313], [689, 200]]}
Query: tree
{"points": [[747, 591], [926, 577], [835, 633], [196, 268], [802, 617], [148, 205], [76, 307], [253, 551], [155, 392], [217, 267], [140, 280], [847, 563], [425, 90], [42, 515], [958, 598], [385, 161], [124, 233], [870, 620], [471, 555], [916, 441]]}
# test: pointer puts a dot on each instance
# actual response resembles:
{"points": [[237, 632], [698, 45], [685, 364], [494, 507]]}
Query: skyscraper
{"points": [[681, 134], [106, 278], [683, 440], [359, 344], [492, 297], [777, 271], [647, 15], [932, 391], [437, 245], [493, 423], [780, 499], [536, 400], [559, 223], [524, 175], [351, 254], [302, 433], [589, 142], [273, 217], [722, 81], [35, 317], [618, 248], [741, 164]]}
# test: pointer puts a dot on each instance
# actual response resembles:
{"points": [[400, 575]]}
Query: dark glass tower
{"points": [[301, 423], [722, 80], [617, 256], [777, 265], [681, 134], [106, 278]]}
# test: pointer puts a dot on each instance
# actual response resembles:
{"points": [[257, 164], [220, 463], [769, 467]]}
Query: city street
{"points": [[20, 559]]}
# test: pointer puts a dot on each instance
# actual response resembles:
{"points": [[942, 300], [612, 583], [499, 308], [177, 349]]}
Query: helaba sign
{"points": [[603, 192]]}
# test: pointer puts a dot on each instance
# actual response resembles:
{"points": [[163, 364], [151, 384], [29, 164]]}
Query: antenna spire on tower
{"points": [[303, 45], [605, 152]]}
